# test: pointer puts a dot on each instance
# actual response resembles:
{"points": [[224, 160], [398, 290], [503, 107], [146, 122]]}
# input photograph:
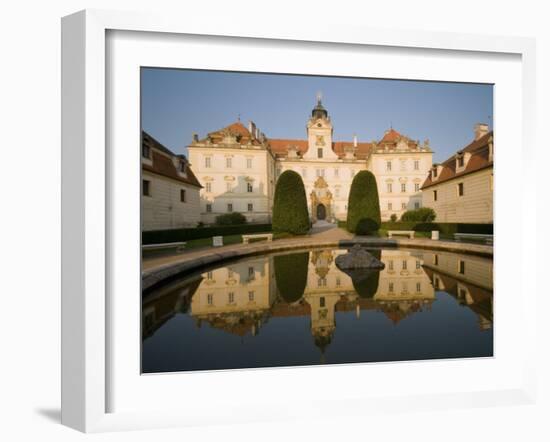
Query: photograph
{"points": [[301, 220]]}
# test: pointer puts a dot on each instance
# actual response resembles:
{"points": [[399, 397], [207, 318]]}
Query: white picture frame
{"points": [[86, 210]]}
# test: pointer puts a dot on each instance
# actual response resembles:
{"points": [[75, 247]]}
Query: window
{"points": [[209, 208], [322, 301], [436, 283], [337, 192], [231, 297], [230, 207], [320, 152], [145, 151], [403, 165], [183, 167], [251, 272], [417, 264], [390, 264], [321, 172], [416, 165], [208, 186], [249, 163], [250, 207], [249, 187], [146, 188], [390, 206], [338, 282], [228, 162], [210, 298], [436, 260], [321, 282], [388, 165], [182, 195], [336, 172], [460, 189], [389, 187], [403, 206], [416, 187], [403, 187], [461, 266], [229, 274], [209, 275], [390, 287], [207, 162], [434, 172], [460, 162], [435, 195], [404, 265], [416, 205], [251, 296], [419, 287]]}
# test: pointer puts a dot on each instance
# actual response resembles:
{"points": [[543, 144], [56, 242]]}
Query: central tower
{"points": [[319, 134]]}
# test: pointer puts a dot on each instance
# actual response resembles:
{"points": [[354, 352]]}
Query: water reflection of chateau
{"points": [[242, 296], [468, 278]]}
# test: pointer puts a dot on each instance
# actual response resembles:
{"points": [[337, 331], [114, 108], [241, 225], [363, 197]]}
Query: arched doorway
{"points": [[321, 211]]}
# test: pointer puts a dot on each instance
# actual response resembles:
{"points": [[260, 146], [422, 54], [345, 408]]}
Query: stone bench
{"points": [[409, 233], [178, 246], [488, 239], [247, 238]]}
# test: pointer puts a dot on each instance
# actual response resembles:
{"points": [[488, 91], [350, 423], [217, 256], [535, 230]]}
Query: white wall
{"points": [[30, 115]]}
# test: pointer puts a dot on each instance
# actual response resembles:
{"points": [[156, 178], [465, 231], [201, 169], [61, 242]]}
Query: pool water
{"points": [[298, 308]]}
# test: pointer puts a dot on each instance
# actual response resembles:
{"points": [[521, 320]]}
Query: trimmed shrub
{"points": [[363, 204], [290, 213], [291, 275], [423, 214], [176, 235], [446, 228], [393, 217], [230, 219]]}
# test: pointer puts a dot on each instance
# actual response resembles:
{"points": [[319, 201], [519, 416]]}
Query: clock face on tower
{"points": [[320, 140]]}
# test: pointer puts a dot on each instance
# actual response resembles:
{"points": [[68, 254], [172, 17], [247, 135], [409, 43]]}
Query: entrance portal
{"points": [[321, 211]]}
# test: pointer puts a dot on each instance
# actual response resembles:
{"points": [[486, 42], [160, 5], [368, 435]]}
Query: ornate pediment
{"points": [[320, 183]]}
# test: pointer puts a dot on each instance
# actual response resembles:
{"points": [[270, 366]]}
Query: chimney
{"points": [[354, 140], [480, 129], [252, 128]]}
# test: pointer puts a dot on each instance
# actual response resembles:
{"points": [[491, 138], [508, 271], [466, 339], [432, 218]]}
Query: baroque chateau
{"points": [[235, 169], [238, 167]]}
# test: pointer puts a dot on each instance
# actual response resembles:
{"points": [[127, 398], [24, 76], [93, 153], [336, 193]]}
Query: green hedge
{"points": [[176, 235], [447, 228]]}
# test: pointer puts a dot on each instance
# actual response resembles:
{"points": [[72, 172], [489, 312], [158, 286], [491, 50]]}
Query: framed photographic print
{"points": [[310, 216]]}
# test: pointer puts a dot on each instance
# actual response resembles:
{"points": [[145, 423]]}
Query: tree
{"points": [[290, 213], [423, 214], [291, 275], [363, 204]]}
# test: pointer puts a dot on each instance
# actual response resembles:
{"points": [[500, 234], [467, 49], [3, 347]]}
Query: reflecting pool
{"points": [[298, 308]]}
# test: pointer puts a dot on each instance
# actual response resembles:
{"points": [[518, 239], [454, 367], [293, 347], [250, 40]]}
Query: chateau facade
{"points": [[169, 189], [238, 168], [461, 188]]}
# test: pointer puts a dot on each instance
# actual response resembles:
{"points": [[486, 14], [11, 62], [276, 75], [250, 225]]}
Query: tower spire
{"points": [[319, 97]]}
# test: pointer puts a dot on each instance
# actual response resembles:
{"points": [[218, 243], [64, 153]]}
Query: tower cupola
{"points": [[319, 111]]}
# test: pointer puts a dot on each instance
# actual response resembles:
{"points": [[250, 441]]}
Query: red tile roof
{"points": [[163, 164], [238, 129], [479, 150]]}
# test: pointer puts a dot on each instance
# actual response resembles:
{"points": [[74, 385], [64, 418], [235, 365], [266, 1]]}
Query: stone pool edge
{"points": [[194, 260]]}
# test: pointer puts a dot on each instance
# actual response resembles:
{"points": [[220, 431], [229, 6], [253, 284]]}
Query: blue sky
{"points": [[176, 103]]}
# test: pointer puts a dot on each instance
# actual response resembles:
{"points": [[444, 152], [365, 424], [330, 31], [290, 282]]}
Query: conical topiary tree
{"points": [[363, 204], [291, 275], [290, 213]]}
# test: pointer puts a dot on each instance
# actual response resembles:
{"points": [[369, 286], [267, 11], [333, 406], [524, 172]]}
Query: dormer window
{"points": [[183, 168], [320, 152], [460, 161], [434, 173], [145, 150]]}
